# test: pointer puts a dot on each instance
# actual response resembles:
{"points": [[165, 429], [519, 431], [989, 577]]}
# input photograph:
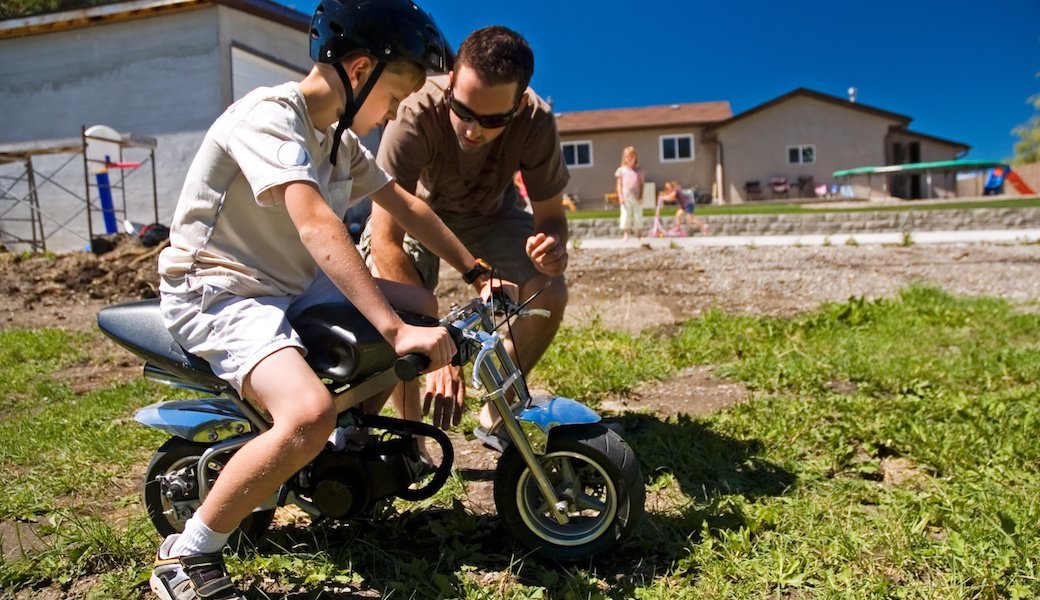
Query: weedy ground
{"points": [[889, 450]]}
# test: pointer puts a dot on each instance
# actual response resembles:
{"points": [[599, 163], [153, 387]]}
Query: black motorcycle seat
{"points": [[138, 326], [342, 346]]}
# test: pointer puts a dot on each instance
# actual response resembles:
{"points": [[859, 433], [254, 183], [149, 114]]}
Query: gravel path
{"points": [[635, 288]]}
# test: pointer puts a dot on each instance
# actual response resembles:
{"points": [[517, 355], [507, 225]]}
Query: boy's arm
{"points": [[326, 238], [395, 211]]}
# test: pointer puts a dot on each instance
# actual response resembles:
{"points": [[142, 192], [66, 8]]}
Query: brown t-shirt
{"points": [[420, 150]]}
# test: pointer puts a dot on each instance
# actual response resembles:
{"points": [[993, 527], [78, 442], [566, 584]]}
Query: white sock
{"points": [[198, 538]]}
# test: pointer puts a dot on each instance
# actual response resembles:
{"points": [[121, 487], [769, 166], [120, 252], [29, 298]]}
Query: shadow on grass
{"points": [[698, 480], [418, 553], [704, 462]]}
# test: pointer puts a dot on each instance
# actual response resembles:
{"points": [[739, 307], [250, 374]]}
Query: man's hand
{"points": [[547, 253], [502, 287], [446, 394]]}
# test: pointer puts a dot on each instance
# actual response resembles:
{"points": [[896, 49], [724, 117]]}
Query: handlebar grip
{"points": [[410, 366]]}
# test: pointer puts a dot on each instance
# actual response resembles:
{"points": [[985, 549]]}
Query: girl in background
{"points": [[630, 193]]}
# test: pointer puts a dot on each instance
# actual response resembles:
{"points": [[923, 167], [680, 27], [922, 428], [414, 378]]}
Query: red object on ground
{"points": [[1021, 186]]}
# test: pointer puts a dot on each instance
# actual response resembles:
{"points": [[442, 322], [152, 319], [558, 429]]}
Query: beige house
{"points": [[669, 140], [805, 136], [786, 148]]}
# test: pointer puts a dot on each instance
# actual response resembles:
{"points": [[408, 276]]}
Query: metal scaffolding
{"points": [[25, 219]]}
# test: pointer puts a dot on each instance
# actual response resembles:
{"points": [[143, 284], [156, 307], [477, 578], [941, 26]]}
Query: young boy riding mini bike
{"points": [[260, 213]]}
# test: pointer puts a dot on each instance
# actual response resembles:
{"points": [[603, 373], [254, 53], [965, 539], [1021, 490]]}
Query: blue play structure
{"points": [[995, 181]]}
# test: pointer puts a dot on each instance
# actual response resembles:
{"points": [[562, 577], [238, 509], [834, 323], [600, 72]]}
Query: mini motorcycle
{"points": [[566, 486]]}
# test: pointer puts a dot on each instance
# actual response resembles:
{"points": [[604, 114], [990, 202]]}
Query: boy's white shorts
{"points": [[234, 333]]}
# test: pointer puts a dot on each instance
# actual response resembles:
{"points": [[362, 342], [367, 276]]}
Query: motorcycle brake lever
{"points": [[511, 309]]}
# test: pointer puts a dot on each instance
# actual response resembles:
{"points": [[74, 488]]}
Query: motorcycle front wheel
{"points": [[178, 458], [595, 472]]}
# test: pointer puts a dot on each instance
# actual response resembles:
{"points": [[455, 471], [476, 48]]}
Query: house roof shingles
{"points": [[698, 113], [137, 9], [844, 103]]}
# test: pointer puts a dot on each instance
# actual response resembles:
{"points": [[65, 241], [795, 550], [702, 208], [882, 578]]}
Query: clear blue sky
{"points": [[963, 70]]}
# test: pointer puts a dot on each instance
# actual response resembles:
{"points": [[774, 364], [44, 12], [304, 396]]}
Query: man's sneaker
{"points": [[192, 577]]}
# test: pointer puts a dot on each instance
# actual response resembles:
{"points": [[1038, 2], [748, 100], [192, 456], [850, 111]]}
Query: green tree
{"points": [[1027, 148], [23, 8]]}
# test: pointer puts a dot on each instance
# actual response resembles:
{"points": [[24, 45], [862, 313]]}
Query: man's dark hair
{"points": [[498, 55]]}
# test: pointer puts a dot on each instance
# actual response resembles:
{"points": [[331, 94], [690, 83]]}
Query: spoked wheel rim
{"points": [[592, 499]]}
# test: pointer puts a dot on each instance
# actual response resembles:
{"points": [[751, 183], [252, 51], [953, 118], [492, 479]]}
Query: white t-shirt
{"points": [[227, 231]]}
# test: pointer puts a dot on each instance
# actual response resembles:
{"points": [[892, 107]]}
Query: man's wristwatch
{"points": [[480, 269]]}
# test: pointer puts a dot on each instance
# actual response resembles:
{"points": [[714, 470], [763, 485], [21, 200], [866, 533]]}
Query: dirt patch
{"points": [[898, 471], [629, 289], [695, 391], [67, 290], [18, 538]]}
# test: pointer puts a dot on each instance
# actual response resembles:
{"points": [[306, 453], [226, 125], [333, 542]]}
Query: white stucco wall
{"points": [[148, 75], [166, 77]]}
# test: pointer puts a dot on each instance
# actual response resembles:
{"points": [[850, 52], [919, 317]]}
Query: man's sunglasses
{"points": [[486, 121]]}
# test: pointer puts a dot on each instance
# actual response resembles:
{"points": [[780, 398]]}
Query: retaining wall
{"points": [[835, 223]]}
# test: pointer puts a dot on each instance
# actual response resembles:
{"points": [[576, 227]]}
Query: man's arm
{"points": [[547, 248], [388, 255]]}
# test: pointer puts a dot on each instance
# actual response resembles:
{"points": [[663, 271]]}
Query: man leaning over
{"points": [[457, 144]]}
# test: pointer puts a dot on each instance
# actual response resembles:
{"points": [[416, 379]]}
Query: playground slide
{"points": [[1020, 186]]}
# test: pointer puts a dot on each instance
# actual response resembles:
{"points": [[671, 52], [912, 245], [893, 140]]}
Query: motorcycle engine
{"points": [[345, 483]]}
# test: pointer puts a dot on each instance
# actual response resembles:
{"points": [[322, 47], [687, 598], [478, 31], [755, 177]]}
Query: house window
{"points": [[801, 155], [577, 154], [676, 148]]}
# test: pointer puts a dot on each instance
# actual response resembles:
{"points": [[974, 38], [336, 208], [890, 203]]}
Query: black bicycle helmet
{"points": [[385, 29]]}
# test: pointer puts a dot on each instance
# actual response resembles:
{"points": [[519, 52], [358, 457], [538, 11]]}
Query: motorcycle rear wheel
{"points": [[174, 455], [595, 471]]}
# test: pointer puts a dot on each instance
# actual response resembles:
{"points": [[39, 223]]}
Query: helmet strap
{"points": [[353, 105]]}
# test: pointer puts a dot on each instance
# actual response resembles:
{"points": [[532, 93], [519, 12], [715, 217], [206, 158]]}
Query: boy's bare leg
{"points": [[303, 415]]}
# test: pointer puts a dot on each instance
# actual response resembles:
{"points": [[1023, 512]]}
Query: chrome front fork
{"points": [[490, 377]]}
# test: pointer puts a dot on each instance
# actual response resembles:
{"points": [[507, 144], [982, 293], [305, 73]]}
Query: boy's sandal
{"points": [[491, 439]]}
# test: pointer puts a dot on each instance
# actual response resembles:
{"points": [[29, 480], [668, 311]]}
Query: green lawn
{"points": [[889, 450], [751, 208]]}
